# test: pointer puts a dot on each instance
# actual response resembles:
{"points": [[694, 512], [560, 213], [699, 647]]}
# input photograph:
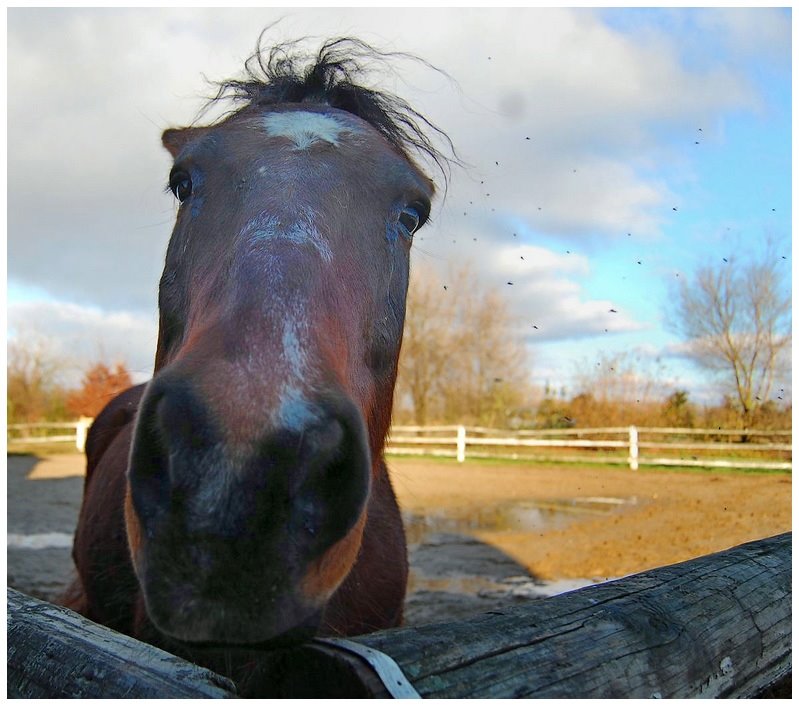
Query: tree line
{"points": [[464, 360], [34, 392]]}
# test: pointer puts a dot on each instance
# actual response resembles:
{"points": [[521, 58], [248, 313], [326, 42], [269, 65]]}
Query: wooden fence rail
{"points": [[55, 653], [458, 441], [717, 626]]}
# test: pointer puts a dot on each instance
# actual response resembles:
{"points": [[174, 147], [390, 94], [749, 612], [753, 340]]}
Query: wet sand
{"points": [[652, 518]]}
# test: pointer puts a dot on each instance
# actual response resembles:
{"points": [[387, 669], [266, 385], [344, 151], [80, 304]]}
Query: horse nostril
{"points": [[148, 473], [327, 466], [309, 476], [170, 424]]}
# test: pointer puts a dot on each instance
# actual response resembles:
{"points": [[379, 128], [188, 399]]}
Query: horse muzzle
{"points": [[243, 543]]}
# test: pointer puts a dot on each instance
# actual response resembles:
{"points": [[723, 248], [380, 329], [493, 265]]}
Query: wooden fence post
{"points": [[81, 431], [633, 448], [461, 443]]}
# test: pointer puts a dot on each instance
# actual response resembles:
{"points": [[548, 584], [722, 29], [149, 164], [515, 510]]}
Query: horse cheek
{"points": [[325, 574]]}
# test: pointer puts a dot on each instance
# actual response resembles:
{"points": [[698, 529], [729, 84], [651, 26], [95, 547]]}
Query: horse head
{"points": [[281, 313]]}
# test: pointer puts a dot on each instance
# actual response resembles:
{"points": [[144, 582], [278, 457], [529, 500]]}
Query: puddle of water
{"points": [[456, 572], [46, 540], [516, 516]]}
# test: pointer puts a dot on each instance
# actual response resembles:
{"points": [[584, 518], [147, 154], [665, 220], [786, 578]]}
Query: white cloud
{"points": [[86, 170], [554, 308], [89, 92], [543, 290]]}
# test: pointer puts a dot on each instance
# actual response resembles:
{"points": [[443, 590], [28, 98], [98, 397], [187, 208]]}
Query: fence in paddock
{"points": [[43, 433], [717, 626], [632, 446]]}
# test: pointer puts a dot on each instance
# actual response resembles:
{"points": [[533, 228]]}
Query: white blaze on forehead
{"points": [[304, 128]]}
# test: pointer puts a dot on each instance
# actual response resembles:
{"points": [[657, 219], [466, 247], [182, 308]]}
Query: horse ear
{"points": [[175, 138]]}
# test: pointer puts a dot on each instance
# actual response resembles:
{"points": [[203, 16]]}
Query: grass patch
{"points": [[574, 463]]}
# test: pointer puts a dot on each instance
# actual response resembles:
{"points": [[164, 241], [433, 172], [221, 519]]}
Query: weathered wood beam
{"points": [[717, 626], [55, 653]]}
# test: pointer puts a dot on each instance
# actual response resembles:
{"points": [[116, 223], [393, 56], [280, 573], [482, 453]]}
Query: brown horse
{"points": [[241, 496]]}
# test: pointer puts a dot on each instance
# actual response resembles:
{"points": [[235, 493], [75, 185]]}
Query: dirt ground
{"points": [[669, 516], [480, 535]]}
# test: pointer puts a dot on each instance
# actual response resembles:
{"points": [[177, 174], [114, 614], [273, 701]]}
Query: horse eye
{"points": [[409, 220], [413, 217], [180, 185]]}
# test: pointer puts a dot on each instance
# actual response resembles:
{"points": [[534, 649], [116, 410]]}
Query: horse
{"points": [[240, 498]]}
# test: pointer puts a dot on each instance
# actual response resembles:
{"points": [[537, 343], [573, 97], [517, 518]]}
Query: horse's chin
{"points": [[291, 637], [214, 623], [246, 662]]}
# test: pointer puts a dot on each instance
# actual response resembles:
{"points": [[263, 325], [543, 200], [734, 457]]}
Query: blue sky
{"points": [[612, 100]]}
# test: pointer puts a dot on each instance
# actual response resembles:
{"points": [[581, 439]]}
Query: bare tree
{"points": [[487, 378], [463, 358], [427, 342], [33, 392], [623, 377], [736, 320], [615, 389]]}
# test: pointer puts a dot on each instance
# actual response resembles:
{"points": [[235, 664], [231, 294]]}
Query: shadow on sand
{"points": [[41, 519], [455, 575]]}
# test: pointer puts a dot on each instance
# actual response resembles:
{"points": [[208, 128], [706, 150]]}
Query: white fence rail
{"points": [[30, 433], [458, 441]]}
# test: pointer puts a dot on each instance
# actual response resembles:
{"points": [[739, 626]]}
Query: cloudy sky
{"points": [[606, 152]]}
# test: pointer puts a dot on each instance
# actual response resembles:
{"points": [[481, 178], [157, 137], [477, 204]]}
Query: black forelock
{"points": [[286, 74]]}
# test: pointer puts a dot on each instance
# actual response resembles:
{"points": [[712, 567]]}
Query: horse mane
{"points": [[286, 74]]}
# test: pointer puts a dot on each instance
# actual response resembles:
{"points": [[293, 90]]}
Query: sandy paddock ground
{"points": [[457, 569], [669, 516]]}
